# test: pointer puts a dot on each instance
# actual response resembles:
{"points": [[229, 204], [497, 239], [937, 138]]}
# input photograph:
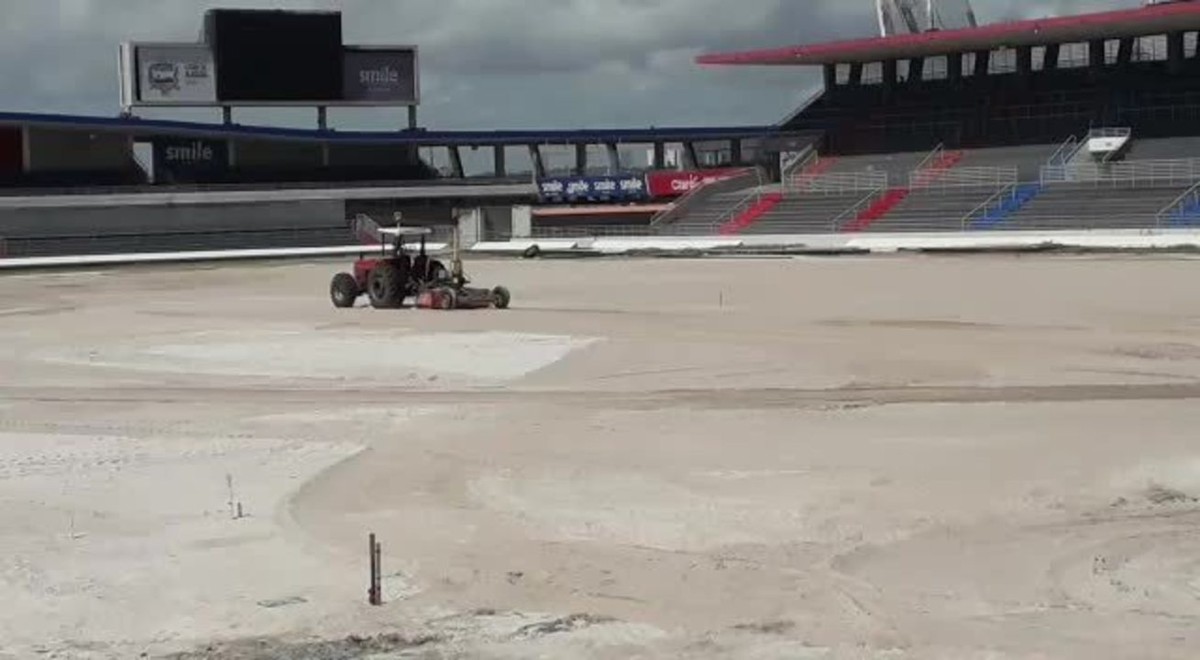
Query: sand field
{"points": [[986, 457]]}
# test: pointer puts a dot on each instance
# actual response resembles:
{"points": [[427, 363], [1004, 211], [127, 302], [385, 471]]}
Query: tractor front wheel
{"points": [[385, 287], [344, 290], [501, 297]]}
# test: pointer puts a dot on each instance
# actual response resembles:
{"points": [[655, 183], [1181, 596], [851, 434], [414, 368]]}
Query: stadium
{"points": [[910, 373]]}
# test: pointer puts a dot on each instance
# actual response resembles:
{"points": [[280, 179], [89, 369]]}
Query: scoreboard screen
{"points": [[275, 55]]}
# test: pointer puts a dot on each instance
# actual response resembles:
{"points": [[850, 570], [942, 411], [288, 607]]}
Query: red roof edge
{"points": [[827, 53]]}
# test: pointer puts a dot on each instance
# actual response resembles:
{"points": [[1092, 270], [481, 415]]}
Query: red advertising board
{"points": [[674, 184], [10, 151]]}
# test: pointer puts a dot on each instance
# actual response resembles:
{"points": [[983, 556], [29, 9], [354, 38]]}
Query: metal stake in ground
{"points": [[375, 591]]}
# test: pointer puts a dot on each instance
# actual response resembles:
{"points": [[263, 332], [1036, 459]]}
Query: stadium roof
{"points": [[1143, 21], [421, 137]]}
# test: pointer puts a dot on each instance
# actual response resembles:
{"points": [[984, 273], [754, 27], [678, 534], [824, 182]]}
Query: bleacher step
{"points": [[878, 210], [994, 217], [751, 215]]}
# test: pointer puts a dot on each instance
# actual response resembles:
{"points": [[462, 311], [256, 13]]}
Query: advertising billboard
{"points": [[629, 188], [174, 74], [386, 76], [676, 184], [189, 160]]}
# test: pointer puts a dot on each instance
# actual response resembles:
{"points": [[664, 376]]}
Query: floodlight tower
{"points": [[917, 16]]}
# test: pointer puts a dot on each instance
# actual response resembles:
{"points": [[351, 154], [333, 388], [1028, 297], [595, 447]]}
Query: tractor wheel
{"points": [[344, 290], [385, 287], [501, 297], [448, 299]]}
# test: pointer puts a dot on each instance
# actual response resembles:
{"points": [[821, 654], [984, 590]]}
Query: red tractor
{"points": [[395, 276]]}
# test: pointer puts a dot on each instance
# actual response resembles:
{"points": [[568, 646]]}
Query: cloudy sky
{"points": [[486, 63]]}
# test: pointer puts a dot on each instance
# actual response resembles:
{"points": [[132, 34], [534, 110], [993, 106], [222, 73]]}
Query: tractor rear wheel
{"points": [[501, 297], [344, 290], [385, 287]]}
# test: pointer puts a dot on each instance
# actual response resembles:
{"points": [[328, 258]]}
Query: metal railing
{"points": [[591, 231], [1132, 173], [854, 211], [704, 192], [741, 207], [931, 157], [995, 201], [799, 163], [1188, 198], [1067, 147], [963, 177], [842, 182]]}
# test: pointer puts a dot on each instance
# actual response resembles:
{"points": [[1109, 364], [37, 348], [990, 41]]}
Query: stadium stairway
{"points": [[703, 219], [997, 215], [1187, 215], [822, 166], [875, 212], [751, 215], [893, 197]]}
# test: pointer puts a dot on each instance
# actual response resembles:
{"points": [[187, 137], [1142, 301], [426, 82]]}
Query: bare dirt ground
{"points": [[890, 457]]}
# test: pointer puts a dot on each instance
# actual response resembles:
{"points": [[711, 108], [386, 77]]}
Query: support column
{"points": [[1024, 61], [456, 164], [954, 67], [890, 70], [539, 164], [1096, 55], [522, 222], [660, 156], [856, 74], [226, 114], [916, 71], [26, 151], [830, 71], [690, 162], [1050, 57], [1125, 52], [983, 62], [581, 159], [322, 118], [412, 117], [735, 151], [470, 227], [614, 157], [498, 160], [1175, 52]]}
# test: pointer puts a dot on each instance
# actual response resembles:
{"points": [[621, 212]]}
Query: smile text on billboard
{"points": [[382, 76]]}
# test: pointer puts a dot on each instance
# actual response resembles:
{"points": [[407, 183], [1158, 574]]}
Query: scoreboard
{"points": [[250, 57]]}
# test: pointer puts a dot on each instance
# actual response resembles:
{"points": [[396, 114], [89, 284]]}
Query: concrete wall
{"points": [[276, 156], [67, 151], [497, 222], [11, 151], [343, 155], [23, 223]]}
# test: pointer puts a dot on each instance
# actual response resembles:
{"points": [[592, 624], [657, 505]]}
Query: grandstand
{"points": [[1076, 122], [940, 124]]}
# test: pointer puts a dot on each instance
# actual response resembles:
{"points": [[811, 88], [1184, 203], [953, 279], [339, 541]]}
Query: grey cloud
{"points": [[486, 63]]}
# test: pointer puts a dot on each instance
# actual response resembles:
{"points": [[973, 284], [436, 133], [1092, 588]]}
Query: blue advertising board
{"points": [[189, 160], [625, 188]]}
